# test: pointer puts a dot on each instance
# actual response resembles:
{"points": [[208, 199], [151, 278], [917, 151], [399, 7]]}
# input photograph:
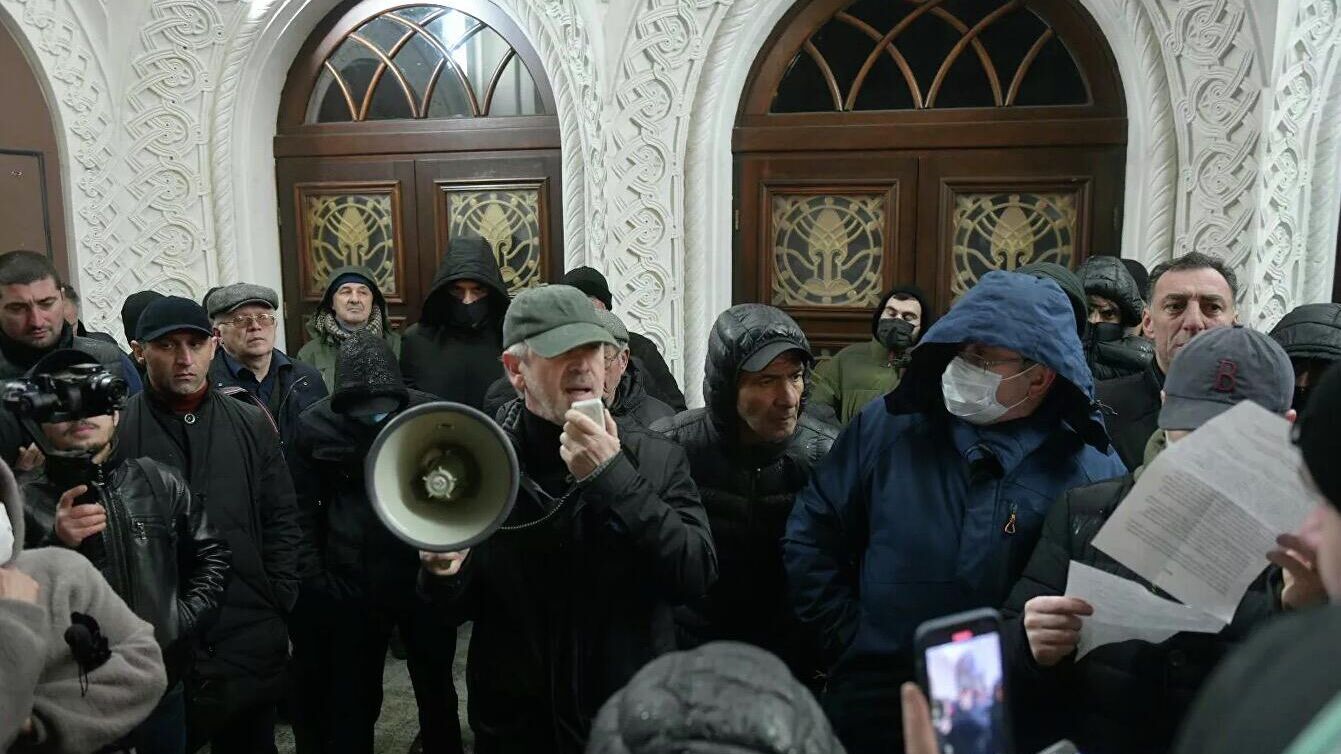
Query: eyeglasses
{"points": [[265, 319], [986, 364]]}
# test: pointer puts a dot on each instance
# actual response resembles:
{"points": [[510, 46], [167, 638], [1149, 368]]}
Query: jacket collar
{"points": [[1007, 445]]}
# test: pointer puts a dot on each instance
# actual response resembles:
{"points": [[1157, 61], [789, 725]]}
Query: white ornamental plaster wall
{"points": [[1297, 247]]}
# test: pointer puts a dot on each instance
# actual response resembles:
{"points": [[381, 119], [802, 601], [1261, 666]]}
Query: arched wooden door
{"points": [[927, 141], [403, 125]]}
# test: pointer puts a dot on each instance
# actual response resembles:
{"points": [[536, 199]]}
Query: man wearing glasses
{"points": [[931, 500], [245, 321]]}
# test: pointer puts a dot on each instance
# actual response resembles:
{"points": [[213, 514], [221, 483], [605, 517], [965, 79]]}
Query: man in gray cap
{"points": [[1131, 696], [608, 534], [245, 321]]}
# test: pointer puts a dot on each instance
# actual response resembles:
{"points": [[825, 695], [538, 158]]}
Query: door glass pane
{"points": [[340, 229], [509, 220], [1005, 230], [827, 249]]}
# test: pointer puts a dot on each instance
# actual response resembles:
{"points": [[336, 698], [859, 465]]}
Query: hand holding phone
{"points": [[959, 662], [583, 448]]}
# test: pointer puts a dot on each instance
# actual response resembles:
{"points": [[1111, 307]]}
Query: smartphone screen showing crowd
{"points": [[959, 661]]}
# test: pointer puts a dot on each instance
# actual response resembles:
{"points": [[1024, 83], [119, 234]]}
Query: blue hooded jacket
{"points": [[916, 514]]}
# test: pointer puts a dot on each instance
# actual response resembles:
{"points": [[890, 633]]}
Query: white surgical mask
{"points": [[6, 539], [970, 392]]}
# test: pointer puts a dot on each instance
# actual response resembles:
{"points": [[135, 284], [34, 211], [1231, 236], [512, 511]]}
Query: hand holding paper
{"points": [[1125, 610]]}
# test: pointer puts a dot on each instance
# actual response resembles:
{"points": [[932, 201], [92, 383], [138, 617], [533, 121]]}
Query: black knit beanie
{"points": [[367, 377], [133, 307], [590, 281], [1070, 285], [1315, 433]]}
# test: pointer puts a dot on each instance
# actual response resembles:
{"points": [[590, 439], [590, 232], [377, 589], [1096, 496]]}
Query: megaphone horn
{"points": [[442, 476]]}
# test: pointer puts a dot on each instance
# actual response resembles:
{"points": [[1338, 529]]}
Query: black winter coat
{"points": [[748, 493], [1128, 697], [569, 608], [1110, 359], [1131, 411], [299, 386], [229, 454], [158, 552], [444, 358], [657, 377], [357, 555]]}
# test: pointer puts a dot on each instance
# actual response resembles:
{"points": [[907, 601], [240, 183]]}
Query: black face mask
{"points": [[472, 315], [1107, 332], [894, 334]]}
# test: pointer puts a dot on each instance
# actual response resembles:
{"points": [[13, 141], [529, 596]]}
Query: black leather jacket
{"points": [[159, 551]]}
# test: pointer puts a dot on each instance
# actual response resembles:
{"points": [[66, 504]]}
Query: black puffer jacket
{"points": [[1112, 354], [567, 609], [1124, 697], [158, 552], [1108, 277], [632, 399], [1310, 333], [228, 452], [1130, 406], [448, 358], [723, 698], [748, 492]]}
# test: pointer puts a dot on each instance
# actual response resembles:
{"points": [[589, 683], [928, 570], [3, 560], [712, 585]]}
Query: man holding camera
{"points": [[607, 535], [230, 456], [145, 534]]}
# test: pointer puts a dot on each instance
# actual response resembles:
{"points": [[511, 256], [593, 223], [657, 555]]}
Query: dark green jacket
{"points": [[321, 348], [854, 377]]}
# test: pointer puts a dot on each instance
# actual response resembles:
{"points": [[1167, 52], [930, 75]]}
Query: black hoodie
{"points": [[443, 355]]}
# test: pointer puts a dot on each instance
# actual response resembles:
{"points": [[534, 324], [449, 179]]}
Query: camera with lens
{"points": [[75, 392]]}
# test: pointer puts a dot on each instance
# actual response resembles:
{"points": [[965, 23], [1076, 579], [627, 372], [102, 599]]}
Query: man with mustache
{"points": [[1188, 295], [751, 449], [352, 303], [611, 534], [230, 455], [147, 536], [245, 322]]}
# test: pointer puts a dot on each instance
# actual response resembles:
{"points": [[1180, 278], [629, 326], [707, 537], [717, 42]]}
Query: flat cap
{"points": [[229, 297]]}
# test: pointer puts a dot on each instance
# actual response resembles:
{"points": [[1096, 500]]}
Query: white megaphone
{"points": [[442, 476]]}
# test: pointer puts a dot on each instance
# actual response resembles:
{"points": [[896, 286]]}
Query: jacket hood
{"points": [[9, 489], [1311, 331], [366, 274], [721, 698], [912, 291], [466, 259], [1027, 314], [1108, 277], [736, 335]]}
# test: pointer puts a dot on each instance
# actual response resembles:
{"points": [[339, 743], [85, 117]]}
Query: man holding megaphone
{"points": [[574, 594]]}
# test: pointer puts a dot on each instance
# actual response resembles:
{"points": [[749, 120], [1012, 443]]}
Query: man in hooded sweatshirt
{"points": [[352, 303], [751, 449], [862, 372], [365, 581], [453, 351], [51, 699], [931, 500]]}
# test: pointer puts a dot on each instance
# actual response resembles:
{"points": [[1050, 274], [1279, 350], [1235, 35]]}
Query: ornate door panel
{"points": [[337, 212], [510, 201], [822, 239], [982, 210]]}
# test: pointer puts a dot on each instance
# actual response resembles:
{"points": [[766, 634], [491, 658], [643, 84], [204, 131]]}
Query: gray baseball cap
{"points": [[553, 319], [615, 325], [229, 297], [1220, 368]]}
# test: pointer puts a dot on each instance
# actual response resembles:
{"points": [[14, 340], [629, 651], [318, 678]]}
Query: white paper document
{"points": [[1125, 610], [1200, 520]]}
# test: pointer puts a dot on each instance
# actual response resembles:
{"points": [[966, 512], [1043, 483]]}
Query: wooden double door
{"points": [[823, 235], [396, 214]]}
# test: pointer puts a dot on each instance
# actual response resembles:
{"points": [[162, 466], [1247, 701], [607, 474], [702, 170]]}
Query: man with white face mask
{"points": [[931, 500]]}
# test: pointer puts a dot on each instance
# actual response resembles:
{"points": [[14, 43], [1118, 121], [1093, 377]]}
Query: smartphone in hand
{"points": [[960, 667]]}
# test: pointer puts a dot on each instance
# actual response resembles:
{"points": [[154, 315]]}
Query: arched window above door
{"points": [[909, 55], [423, 61]]}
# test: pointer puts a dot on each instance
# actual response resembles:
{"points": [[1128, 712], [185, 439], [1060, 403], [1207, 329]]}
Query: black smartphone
{"points": [[959, 663]]}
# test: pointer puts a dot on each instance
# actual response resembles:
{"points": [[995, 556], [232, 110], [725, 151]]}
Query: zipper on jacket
{"points": [[1009, 528], [115, 534]]}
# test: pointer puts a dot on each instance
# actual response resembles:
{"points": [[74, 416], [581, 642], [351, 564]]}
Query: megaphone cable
{"points": [[540, 494]]}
